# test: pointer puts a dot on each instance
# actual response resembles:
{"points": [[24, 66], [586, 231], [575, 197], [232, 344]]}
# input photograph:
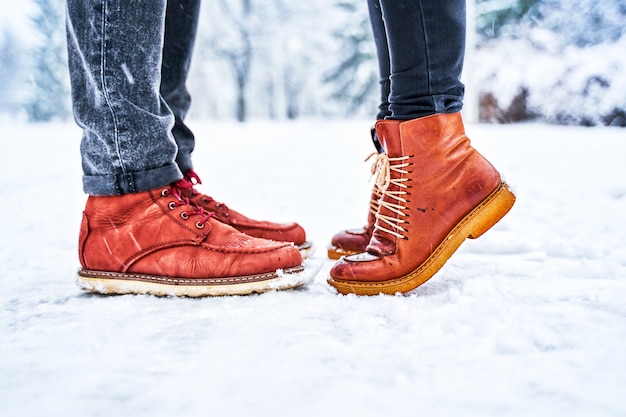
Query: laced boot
{"points": [[158, 242], [280, 232], [436, 191], [352, 241]]}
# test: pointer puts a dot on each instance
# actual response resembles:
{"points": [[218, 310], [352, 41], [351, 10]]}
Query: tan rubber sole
{"points": [[118, 283], [306, 249], [472, 226], [336, 253]]}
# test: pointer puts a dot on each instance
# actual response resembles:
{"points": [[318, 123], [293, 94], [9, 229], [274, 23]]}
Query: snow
{"points": [[528, 320]]}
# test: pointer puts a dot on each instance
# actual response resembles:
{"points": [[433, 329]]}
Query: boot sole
{"points": [[473, 225], [119, 283], [306, 249], [336, 253]]}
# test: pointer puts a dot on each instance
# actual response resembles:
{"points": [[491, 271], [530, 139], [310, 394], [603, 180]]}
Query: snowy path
{"points": [[528, 320]]}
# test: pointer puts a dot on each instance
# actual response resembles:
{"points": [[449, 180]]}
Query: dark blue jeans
{"points": [[421, 47], [128, 64]]}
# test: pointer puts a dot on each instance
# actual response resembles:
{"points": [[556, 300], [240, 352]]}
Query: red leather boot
{"points": [[437, 191], [281, 232], [158, 242], [352, 241]]}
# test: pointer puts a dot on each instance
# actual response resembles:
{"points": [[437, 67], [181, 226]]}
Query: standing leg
{"points": [[115, 52], [181, 24], [139, 232]]}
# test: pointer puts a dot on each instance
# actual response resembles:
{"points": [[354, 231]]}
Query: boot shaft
{"points": [[435, 178]]}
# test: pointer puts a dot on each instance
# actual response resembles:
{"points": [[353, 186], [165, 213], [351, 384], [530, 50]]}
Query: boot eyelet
{"points": [[200, 225], [184, 215], [172, 205], [164, 192]]}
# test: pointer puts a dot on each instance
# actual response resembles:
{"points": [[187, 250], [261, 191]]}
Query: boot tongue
{"points": [[379, 246]]}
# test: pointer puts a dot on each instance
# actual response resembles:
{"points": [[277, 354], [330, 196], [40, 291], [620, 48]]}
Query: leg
{"points": [[351, 241], [382, 52], [181, 23], [426, 41], [436, 190], [139, 232], [115, 75]]}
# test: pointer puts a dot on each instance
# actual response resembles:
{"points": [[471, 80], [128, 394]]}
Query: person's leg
{"points": [[427, 45], [436, 189], [181, 23], [351, 241], [115, 51], [382, 54], [139, 233]]}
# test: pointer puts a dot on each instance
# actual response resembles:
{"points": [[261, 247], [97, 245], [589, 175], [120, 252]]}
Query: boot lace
{"points": [[194, 179], [177, 190], [385, 169], [376, 191]]}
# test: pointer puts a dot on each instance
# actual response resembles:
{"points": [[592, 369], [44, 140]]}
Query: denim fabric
{"points": [[426, 48], [382, 52], [181, 25], [115, 51]]}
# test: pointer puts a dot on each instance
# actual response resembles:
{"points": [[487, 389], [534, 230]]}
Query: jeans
{"points": [[421, 47], [128, 64]]}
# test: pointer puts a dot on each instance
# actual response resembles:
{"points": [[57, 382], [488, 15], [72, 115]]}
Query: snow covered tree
{"points": [[493, 15], [10, 67], [354, 79], [50, 98], [555, 60]]}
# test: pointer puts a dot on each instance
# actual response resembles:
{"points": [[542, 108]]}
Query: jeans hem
{"points": [[131, 182]]}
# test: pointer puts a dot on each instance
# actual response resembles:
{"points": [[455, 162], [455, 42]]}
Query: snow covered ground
{"points": [[528, 320]]}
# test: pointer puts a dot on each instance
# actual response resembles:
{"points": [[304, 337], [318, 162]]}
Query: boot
{"points": [[280, 232], [351, 241], [157, 242], [436, 191]]}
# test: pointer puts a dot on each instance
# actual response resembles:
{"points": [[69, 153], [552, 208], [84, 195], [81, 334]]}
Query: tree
{"points": [[354, 80], [493, 15], [49, 97], [9, 72]]}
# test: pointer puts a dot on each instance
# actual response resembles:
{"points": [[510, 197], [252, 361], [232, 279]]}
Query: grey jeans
{"points": [[128, 63]]}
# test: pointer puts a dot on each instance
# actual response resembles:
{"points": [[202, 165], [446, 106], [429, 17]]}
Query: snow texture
{"points": [[528, 320]]}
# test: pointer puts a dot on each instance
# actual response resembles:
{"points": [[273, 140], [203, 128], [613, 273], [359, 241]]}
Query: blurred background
{"points": [[553, 61]]}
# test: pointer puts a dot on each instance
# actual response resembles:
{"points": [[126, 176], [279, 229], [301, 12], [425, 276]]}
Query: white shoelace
{"points": [[382, 170]]}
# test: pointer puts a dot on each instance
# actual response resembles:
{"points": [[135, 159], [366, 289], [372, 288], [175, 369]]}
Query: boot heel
{"points": [[493, 209]]}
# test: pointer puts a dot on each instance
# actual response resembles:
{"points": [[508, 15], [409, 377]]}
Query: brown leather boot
{"points": [[158, 242], [281, 232], [437, 191], [351, 241]]}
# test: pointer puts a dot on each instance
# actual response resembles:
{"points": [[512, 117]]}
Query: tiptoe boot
{"points": [[437, 191], [352, 241], [281, 232], [158, 242]]}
